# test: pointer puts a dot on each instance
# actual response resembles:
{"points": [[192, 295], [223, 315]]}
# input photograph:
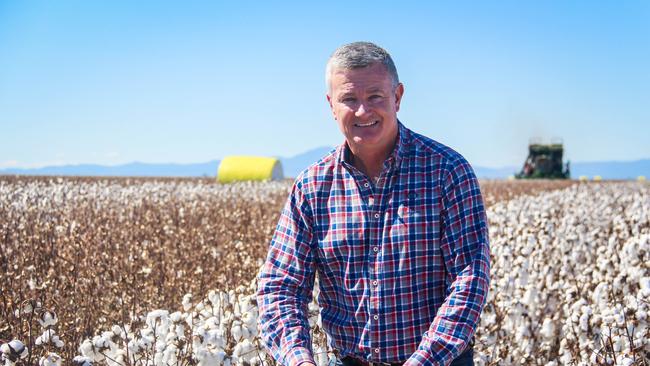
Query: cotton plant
{"points": [[570, 285], [220, 329], [16, 352], [12, 352], [569, 278]]}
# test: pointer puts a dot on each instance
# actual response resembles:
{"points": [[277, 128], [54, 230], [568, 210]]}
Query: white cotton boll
{"points": [[176, 317], [133, 346], [14, 350], [626, 361], [169, 355], [320, 356], [87, 350], [529, 297], [236, 332], [246, 334], [236, 309], [644, 283], [158, 319], [47, 319], [548, 329], [200, 307], [249, 319], [58, 343], [523, 332], [145, 342], [617, 343], [620, 319], [51, 359], [223, 298], [245, 351], [187, 302], [214, 298], [81, 361], [117, 330], [170, 337], [180, 331], [522, 278], [43, 338], [599, 296], [584, 322]]}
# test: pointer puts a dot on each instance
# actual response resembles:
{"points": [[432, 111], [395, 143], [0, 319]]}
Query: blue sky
{"points": [[112, 82]]}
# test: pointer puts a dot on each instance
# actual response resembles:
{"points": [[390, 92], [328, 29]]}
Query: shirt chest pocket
{"points": [[413, 223]]}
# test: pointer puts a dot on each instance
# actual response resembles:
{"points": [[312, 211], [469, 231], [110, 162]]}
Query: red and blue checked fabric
{"points": [[403, 262]]}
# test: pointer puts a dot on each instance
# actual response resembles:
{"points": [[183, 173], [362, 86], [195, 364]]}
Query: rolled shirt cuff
{"points": [[298, 355]]}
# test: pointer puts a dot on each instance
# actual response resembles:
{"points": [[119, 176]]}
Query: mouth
{"points": [[366, 124]]}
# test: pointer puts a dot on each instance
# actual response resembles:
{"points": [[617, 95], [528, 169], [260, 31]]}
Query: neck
{"points": [[370, 162]]}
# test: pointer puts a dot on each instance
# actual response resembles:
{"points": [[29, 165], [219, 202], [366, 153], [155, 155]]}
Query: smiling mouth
{"points": [[366, 124]]}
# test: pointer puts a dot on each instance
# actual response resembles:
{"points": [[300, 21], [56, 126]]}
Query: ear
{"points": [[329, 100], [399, 92]]}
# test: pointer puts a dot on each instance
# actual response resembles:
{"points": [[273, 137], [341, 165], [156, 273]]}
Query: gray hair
{"points": [[357, 55]]}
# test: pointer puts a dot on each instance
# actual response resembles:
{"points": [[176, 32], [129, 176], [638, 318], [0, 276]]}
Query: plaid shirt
{"points": [[403, 262]]}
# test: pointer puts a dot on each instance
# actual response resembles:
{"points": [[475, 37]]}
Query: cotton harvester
{"points": [[544, 162]]}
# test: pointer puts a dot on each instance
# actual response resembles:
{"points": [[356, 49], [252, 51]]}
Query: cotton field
{"points": [[162, 272]]}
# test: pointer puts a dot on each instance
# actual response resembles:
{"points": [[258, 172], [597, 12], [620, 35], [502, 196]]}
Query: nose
{"points": [[362, 110]]}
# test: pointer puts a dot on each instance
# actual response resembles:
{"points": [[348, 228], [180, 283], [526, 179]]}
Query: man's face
{"points": [[365, 105]]}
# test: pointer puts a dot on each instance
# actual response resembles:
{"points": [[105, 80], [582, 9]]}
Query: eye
{"points": [[348, 99], [376, 97]]}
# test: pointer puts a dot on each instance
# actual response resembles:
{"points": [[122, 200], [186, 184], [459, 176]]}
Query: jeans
{"points": [[465, 359]]}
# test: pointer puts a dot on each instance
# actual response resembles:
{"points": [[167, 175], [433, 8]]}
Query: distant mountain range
{"points": [[604, 169], [294, 165], [291, 167]]}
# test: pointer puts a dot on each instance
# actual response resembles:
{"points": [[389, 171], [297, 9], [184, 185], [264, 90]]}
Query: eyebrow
{"points": [[346, 94]]}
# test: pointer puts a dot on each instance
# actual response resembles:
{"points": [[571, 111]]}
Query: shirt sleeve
{"points": [[286, 282], [465, 248]]}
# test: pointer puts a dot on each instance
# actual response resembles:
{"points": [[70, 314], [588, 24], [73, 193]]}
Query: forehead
{"points": [[372, 77]]}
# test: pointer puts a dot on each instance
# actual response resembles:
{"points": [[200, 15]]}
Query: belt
{"points": [[353, 361]]}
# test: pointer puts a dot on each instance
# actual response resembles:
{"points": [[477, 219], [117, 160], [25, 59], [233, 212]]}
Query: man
{"points": [[393, 223]]}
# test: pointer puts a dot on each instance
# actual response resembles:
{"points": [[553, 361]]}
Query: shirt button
{"points": [[366, 184], [375, 283], [376, 350], [377, 215], [375, 249], [376, 317]]}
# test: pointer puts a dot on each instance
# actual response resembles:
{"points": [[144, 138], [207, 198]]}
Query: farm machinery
{"points": [[544, 162]]}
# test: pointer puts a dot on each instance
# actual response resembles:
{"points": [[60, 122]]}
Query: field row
{"points": [[98, 252]]}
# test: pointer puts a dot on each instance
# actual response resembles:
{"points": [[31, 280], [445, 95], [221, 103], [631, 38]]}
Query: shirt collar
{"points": [[403, 138]]}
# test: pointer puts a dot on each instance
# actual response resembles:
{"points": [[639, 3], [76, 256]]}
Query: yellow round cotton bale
{"points": [[641, 178], [256, 168]]}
